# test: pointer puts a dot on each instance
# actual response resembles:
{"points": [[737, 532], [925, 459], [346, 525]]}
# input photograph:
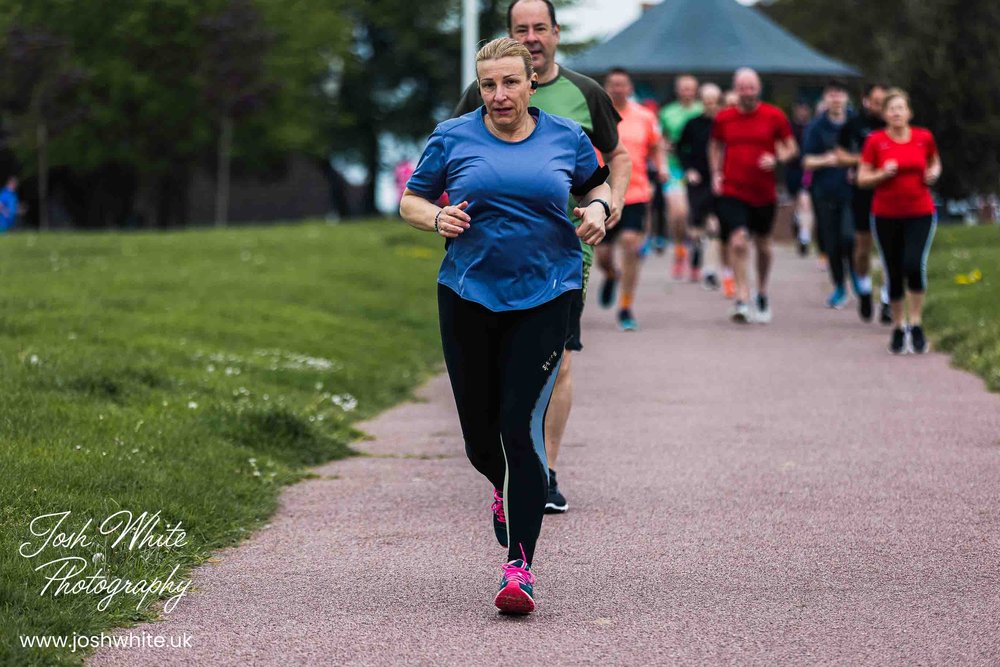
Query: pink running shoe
{"points": [[499, 519], [517, 588]]}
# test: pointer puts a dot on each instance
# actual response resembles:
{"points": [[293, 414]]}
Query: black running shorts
{"points": [[737, 214]]}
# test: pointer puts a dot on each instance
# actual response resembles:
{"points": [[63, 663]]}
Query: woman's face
{"points": [[897, 113], [506, 91]]}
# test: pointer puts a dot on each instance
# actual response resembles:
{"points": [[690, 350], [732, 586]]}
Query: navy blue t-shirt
{"points": [[821, 136], [521, 250]]}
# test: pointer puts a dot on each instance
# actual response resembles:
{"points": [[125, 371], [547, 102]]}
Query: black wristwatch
{"points": [[607, 208]]}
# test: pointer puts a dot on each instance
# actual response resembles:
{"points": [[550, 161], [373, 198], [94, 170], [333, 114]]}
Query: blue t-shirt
{"points": [[520, 250], [821, 136], [8, 212]]}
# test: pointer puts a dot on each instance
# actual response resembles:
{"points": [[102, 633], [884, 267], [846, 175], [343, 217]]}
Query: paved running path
{"points": [[783, 494]]}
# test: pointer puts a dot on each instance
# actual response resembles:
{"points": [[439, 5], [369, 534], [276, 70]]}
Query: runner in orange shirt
{"points": [[639, 132]]}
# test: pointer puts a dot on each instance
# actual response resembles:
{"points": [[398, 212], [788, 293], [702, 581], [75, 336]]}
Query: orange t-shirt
{"points": [[639, 132]]}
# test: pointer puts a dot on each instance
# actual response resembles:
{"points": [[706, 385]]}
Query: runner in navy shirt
{"points": [[511, 269]]}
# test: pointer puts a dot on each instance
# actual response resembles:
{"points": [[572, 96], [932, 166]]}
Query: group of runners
{"points": [[545, 164]]}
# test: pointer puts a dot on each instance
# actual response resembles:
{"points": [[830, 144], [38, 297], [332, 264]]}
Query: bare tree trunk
{"points": [[222, 174], [43, 176], [373, 161]]}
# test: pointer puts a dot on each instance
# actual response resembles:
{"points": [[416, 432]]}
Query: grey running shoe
{"points": [[740, 313]]}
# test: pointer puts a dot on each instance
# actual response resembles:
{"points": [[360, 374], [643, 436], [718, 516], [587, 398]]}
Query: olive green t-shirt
{"points": [[673, 118]]}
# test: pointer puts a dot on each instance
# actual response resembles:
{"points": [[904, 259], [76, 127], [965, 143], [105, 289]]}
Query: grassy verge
{"points": [[963, 304], [191, 374]]}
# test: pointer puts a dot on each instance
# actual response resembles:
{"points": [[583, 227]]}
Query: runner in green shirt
{"points": [[673, 118]]}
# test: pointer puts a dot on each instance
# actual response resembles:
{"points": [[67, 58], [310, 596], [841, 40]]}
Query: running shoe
{"points": [[626, 320], [865, 307], [856, 283], [763, 314], [695, 275], [556, 502], [607, 298], [660, 244], [517, 588], [918, 342], [644, 248], [499, 519], [711, 282], [885, 317], [729, 287], [897, 344], [803, 248], [838, 298], [740, 313]]}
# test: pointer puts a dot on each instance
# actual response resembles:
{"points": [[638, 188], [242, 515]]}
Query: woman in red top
{"points": [[901, 162]]}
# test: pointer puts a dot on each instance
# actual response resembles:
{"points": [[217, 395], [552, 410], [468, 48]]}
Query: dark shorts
{"points": [[737, 214], [861, 207], [573, 342], [701, 204], [633, 218]]}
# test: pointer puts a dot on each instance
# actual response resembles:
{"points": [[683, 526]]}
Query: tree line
{"points": [[945, 53], [125, 98], [122, 100]]}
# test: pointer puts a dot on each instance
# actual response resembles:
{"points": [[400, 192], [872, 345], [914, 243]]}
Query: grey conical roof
{"points": [[707, 36]]}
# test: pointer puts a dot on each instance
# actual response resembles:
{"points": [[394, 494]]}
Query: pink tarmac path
{"points": [[763, 495]]}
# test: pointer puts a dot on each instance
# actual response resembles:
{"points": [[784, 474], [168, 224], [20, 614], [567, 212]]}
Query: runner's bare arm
{"points": [[715, 154], [870, 177], [593, 224], [813, 162], [660, 159], [786, 149], [427, 216], [847, 159], [620, 165], [933, 172]]}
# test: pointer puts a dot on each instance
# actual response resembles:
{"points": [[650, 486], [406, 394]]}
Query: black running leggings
{"points": [[904, 244], [503, 366], [835, 223]]}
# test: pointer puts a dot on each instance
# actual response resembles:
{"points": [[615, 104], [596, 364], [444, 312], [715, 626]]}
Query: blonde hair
{"points": [[505, 47], [893, 93]]}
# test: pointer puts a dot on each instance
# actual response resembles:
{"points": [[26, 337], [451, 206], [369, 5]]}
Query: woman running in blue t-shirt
{"points": [[511, 267]]}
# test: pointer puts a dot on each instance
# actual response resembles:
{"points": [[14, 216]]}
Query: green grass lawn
{"points": [[962, 314], [191, 374]]}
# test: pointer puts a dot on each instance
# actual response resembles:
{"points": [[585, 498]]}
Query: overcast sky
{"points": [[603, 18]]}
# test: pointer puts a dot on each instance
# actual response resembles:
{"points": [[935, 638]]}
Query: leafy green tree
{"points": [[154, 107], [233, 71], [402, 72], [39, 85], [945, 53]]}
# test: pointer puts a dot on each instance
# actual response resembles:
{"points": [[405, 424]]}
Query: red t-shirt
{"points": [[748, 136], [905, 195]]}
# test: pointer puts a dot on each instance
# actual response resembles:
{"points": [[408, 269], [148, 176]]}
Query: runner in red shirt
{"points": [[639, 132], [747, 143], [902, 162]]}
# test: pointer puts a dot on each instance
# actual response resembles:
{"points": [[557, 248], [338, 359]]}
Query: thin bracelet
{"points": [[436, 217]]}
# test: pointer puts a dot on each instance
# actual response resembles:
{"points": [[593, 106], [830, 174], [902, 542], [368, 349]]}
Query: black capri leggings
{"points": [[904, 244], [503, 366]]}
